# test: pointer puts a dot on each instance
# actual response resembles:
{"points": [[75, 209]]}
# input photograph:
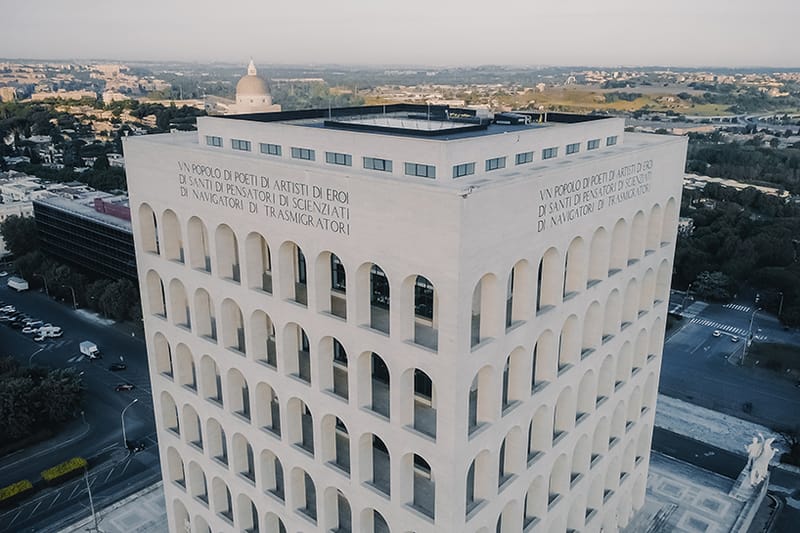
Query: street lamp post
{"points": [[122, 417], [74, 300], [46, 290], [780, 306], [749, 334], [685, 296]]}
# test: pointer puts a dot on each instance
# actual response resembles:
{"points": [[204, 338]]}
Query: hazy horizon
{"points": [[615, 33]]}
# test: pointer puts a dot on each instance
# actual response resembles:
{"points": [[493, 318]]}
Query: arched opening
{"points": [[656, 338], [600, 440], [518, 294], [333, 364], [211, 380], [484, 317], [187, 374], [272, 522], [580, 459], [221, 501], [155, 295], [613, 316], [373, 522], [268, 409], [169, 414], [482, 407], [648, 294], [670, 226], [198, 488], [181, 515], [175, 468], [262, 332], [272, 480], [423, 486], [643, 443], [304, 494], [509, 520], [564, 418], [259, 263], [239, 394], [594, 500], [205, 316], [634, 408], [301, 425], [605, 381], [662, 282], [246, 514], [331, 284], [192, 432], [163, 355], [228, 254], [630, 308], [294, 286], [199, 254], [598, 257], [640, 351], [479, 481], [569, 344], [548, 283], [244, 461], [586, 396], [338, 515], [233, 335], [617, 424], [654, 230], [217, 442], [375, 463], [545, 361], [148, 229], [575, 273], [297, 355], [559, 479], [515, 382], [619, 249], [592, 329], [424, 404], [650, 392], [336, 443], [576, 516], [638, 236], [426, 307], [536, 500], [540, 432], [179, 305], [624, 365], [379, 299], [512, 456], [173, 241], [374, 382]]}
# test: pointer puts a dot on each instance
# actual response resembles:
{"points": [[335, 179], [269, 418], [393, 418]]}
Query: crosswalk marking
{"points": [[726, 328], [738, 307]]}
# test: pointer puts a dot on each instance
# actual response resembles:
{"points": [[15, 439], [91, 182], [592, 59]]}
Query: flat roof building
{"points": [[404, 317]]}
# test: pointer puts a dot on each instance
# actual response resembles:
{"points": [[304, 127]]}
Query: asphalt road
{"points": [[695, 365], [99, 431]]}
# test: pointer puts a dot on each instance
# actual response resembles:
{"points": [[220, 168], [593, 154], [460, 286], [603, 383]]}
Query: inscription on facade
{"points": [[568, 201], [280, 198]]}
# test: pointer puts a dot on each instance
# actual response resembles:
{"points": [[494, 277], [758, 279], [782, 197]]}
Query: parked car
{"points": [[3, 274], [28, 329], [717, 333], [136, 446], [124, 387], [39, 338], [734, 339], [116, 367]]}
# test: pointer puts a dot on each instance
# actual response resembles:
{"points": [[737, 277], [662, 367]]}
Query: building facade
{"points": [[404, 318], [92, 232]]}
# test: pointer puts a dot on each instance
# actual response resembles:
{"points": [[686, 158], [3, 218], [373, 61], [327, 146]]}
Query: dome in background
{"points": [[251, 89]]}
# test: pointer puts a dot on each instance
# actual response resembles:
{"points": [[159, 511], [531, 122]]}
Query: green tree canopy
{"points": [[19, 234]]}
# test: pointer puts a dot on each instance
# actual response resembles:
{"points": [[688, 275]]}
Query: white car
{"points": [[734, 339], [717, 333], [3, 274]]}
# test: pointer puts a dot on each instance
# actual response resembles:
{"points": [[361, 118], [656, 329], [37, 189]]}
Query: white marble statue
{"points": [[759, 453]]}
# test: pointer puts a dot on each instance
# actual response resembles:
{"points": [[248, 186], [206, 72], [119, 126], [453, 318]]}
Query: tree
{"points": [[791, 437], [19, 234], [712, 285]]}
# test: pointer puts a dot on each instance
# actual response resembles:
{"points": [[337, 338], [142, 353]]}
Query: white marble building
{"points": [[404, 318]]}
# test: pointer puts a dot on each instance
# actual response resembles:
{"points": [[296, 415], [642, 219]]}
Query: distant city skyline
{"points": [[679, 33]]}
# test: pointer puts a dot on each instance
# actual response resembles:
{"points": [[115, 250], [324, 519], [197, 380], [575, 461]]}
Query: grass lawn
{"points": [[781, 358]]}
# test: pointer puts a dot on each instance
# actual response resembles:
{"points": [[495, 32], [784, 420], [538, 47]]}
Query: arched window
{"points": [[228, 254], [259, 263], [424, 487], [199, 254]]}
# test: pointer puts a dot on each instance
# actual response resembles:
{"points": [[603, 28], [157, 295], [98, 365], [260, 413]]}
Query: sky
{"points": [[409, 32]]}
